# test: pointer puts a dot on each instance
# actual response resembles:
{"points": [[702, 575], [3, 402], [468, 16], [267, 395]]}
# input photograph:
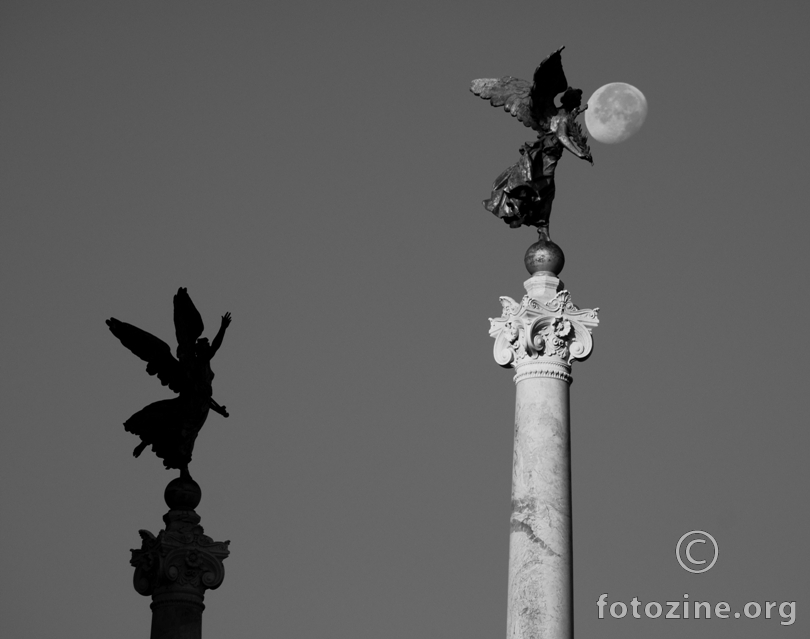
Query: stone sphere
{"points": [[182, 493], [544, 256]]}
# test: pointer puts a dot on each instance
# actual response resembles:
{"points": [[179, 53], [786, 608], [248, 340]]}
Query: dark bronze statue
{"points": [[523, 193], [172, 425]]}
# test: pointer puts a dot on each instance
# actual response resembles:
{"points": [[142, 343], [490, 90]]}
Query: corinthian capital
{"points": [[180, 559], [541, 338]]}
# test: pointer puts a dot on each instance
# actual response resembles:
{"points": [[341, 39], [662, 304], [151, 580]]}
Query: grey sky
{"points": [[317, 169]]}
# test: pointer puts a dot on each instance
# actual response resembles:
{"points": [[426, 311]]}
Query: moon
{"points": [[615, 112]]}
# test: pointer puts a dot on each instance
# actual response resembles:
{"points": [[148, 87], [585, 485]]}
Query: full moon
{"points": [[615, 112]]}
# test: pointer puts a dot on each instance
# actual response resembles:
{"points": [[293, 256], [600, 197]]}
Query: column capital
{"points": [[543, 334], [181, 563]]}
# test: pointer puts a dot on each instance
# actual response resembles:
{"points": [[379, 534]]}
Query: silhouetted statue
{"points": [[523, 193], [171, 425]]}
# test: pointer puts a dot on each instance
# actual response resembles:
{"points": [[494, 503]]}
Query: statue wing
{"points": [[188, 324], [531, 103], [549, 82], [513, 94], [154, 351]]}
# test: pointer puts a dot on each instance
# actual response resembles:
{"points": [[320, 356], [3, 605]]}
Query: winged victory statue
{"points": [[171, 426], [523, 193]]}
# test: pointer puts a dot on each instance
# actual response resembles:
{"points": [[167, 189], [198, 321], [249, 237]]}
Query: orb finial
{"points": [[544, 256], [183, 493]]}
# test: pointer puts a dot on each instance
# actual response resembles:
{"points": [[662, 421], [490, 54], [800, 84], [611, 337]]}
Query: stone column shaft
{"points": [[540, 563], [176, 617], [540, 337]]}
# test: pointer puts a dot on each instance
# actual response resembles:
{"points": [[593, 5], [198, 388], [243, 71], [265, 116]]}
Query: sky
{"points": [[317, 170]]}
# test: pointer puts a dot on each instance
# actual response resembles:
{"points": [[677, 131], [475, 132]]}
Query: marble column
{"points": [[540, 337], [179, 565]]}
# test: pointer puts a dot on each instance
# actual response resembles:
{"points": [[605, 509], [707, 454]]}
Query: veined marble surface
{"points": [[540, 562]]}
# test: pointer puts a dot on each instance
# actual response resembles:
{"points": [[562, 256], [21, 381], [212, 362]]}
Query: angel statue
{"points": [[523, 193], [172, 425]]}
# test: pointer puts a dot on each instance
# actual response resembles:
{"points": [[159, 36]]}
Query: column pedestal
{"points": [[540, 337]]}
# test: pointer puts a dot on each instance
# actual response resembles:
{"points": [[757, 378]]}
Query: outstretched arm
{"points": [[217, 408], [578, 110], [226, 320]]}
